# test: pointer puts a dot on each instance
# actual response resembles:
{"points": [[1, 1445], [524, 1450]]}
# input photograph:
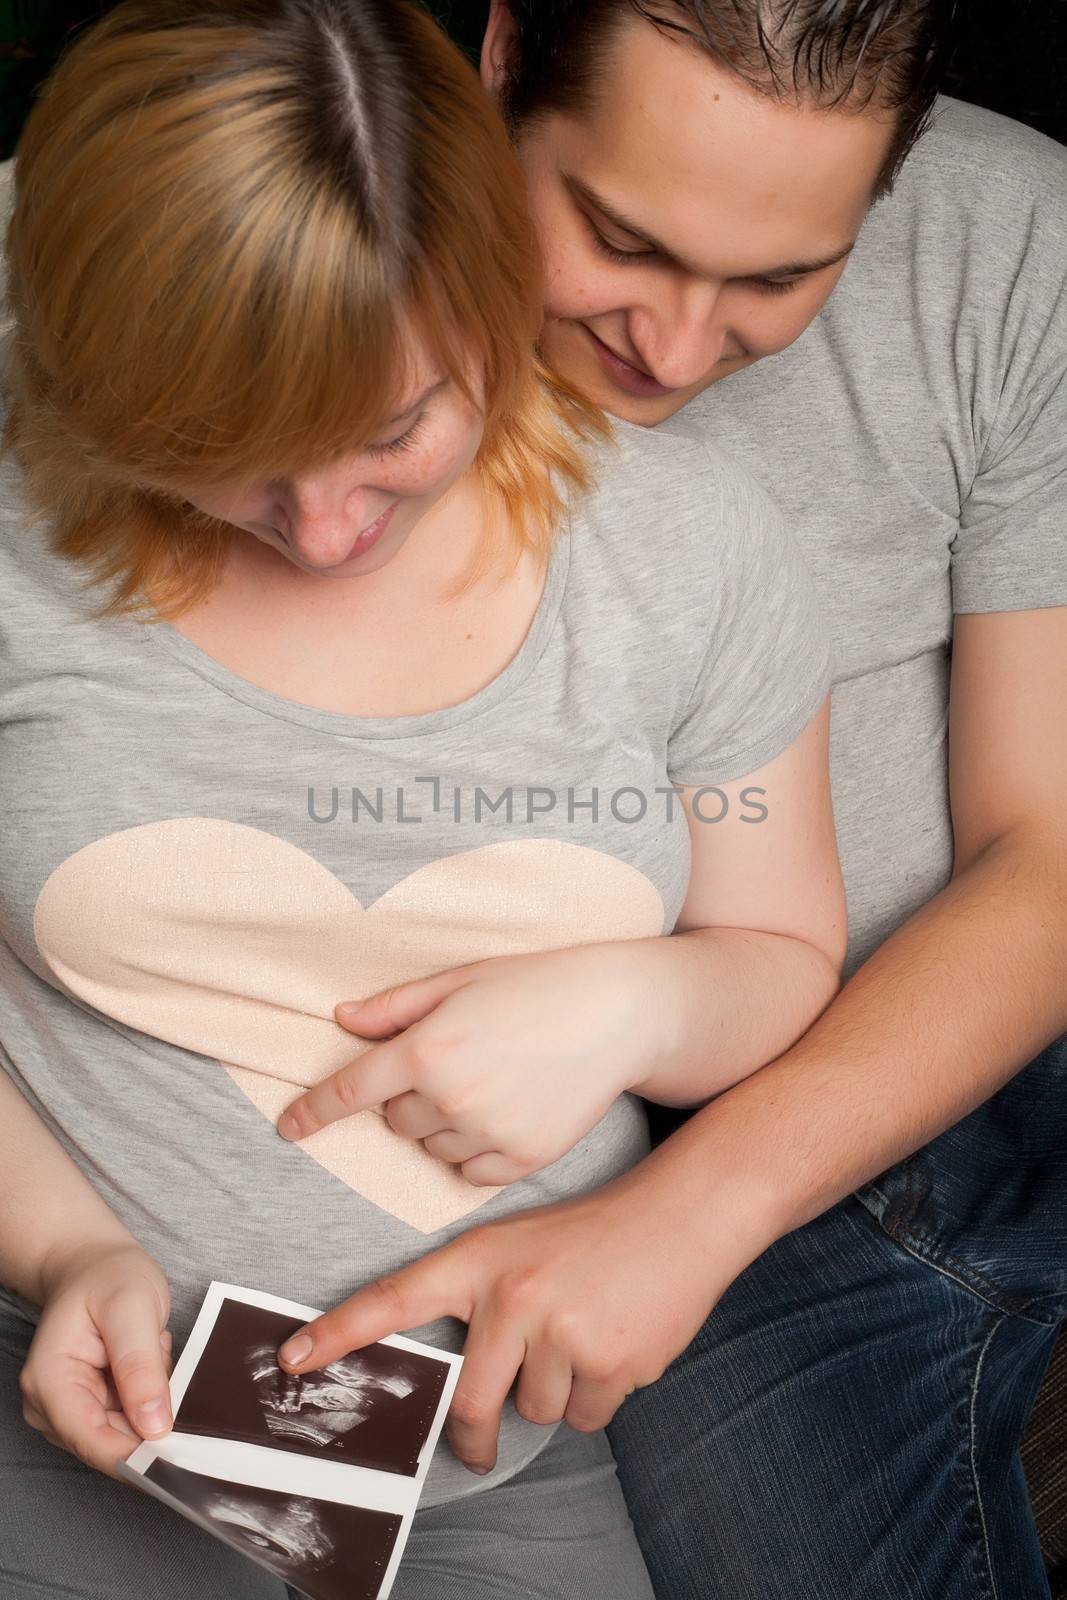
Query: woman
{"points": [[374, 684]]}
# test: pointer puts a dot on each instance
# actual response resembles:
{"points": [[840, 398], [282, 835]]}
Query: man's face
{"points": [[690, 226]]}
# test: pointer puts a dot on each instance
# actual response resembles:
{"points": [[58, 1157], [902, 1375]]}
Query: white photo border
{"points": [[261, 1466]]}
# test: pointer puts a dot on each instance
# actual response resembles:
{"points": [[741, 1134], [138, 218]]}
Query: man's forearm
{"points": [[942, 1015], [47, 1206]]}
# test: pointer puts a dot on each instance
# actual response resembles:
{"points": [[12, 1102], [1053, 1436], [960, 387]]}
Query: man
{"points": [[918, 425], [729, 248]]}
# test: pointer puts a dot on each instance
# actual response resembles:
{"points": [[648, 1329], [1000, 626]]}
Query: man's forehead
{"points": [[680, 145]]}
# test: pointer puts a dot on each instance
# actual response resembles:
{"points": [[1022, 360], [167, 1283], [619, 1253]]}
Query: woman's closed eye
{"points": [[403, 441]]}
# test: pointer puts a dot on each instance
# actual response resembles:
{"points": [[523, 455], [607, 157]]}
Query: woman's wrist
{"points": [[659, 990], [70, 1257]]}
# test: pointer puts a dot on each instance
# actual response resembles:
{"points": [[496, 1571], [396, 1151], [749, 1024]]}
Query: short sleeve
{"points": [[1010, 553], [767, 663]]}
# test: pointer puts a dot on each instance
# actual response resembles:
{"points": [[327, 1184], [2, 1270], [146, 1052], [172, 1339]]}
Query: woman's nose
{"points": [[325, 516]]}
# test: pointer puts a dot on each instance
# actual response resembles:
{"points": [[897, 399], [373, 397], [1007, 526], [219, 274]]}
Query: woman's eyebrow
{"points": [[420, 400]]}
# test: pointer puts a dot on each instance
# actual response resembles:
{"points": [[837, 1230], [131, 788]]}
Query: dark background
{"points": [[1012, 54]]}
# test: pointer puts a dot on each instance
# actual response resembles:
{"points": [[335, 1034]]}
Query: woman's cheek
{"points": [[436, 464]]}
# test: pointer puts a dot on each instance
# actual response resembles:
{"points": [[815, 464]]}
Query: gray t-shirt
{"points": [[915, 437], [193, 871]]}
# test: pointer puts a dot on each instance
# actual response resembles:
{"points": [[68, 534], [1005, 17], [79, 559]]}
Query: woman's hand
{"points": [[585, 1301], [502, 1066], [101, 1356]]}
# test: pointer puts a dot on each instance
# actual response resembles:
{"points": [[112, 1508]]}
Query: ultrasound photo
{"points": [[316, 1477], [330, 1551], [373, 1408]]}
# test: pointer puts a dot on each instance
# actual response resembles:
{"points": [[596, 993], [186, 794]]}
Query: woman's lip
{"points": [[371, 534], [623, 373]]}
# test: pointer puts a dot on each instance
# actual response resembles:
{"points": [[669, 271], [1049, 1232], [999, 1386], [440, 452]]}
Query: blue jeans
{"points": [[846, 1424]]}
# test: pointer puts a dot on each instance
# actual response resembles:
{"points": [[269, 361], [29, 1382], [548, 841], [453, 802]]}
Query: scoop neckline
{"points": [[340, 723]]}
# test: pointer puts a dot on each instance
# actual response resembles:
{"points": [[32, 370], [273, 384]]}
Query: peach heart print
{"points": [[237, 945]]}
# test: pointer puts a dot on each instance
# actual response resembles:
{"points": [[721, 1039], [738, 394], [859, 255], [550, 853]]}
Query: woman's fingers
{"points": [[391, 1010], [453, 1147], [372, 1079], [110, 1394], [491, 1170], [129, 1326], [413, 1116], [76, 1419]]}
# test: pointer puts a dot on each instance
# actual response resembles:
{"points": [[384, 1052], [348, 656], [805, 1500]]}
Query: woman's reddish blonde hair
{"points": [[226, 212]]}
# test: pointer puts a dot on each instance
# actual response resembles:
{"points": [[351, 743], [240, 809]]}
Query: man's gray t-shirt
{"points": [[194, 871], [915, 437]]}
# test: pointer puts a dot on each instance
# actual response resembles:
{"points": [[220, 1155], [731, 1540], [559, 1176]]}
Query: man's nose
{"points": [[680, 339]]}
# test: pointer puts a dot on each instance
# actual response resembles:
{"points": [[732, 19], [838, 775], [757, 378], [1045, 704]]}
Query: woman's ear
{"points": [[497, 46]]}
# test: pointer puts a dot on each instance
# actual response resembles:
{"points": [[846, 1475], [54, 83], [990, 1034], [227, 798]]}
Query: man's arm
{"points": [[598, 1295], [962, 996]]}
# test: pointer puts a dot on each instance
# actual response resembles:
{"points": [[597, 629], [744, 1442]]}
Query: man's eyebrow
{"points": [[420, 400], [792, 269]]}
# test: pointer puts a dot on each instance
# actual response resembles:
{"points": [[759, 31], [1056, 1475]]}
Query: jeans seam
{"points": [[872, 1188], [990, 1579], [901, 1228], [914, 1246]]}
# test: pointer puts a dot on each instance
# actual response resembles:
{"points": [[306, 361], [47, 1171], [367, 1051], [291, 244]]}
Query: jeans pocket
{"points": [[987, 1199]]}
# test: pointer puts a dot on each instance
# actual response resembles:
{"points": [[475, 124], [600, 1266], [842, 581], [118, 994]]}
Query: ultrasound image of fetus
{"points": [[372, 1408], [329, 1550], [289, 1534], [319, 1408]]}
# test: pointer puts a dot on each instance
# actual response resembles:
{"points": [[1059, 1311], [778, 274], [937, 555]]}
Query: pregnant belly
{"points": [[234, 944]]}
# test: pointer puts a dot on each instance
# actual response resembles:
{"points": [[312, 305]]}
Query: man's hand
{"points": [[502, 1066], [584, 1301]]}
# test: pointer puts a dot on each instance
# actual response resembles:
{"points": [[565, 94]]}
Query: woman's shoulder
{"points": [[691, 573], [674, 490], [40, 587]]}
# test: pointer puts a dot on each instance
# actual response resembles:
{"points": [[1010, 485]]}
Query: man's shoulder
{"points": [[969, 152], [682, 473], [977, 219]]}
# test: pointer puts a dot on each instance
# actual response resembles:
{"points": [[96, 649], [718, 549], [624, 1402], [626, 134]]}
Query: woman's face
{"points": [[352, 517]]}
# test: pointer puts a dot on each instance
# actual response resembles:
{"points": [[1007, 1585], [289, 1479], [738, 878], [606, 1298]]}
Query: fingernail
{"points": [[152, 1417], [349, 1008], [288, 1127], [296, 1351], [480, 1470]]}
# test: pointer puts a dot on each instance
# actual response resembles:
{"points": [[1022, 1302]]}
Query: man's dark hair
{"points": [[829, 53]]}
